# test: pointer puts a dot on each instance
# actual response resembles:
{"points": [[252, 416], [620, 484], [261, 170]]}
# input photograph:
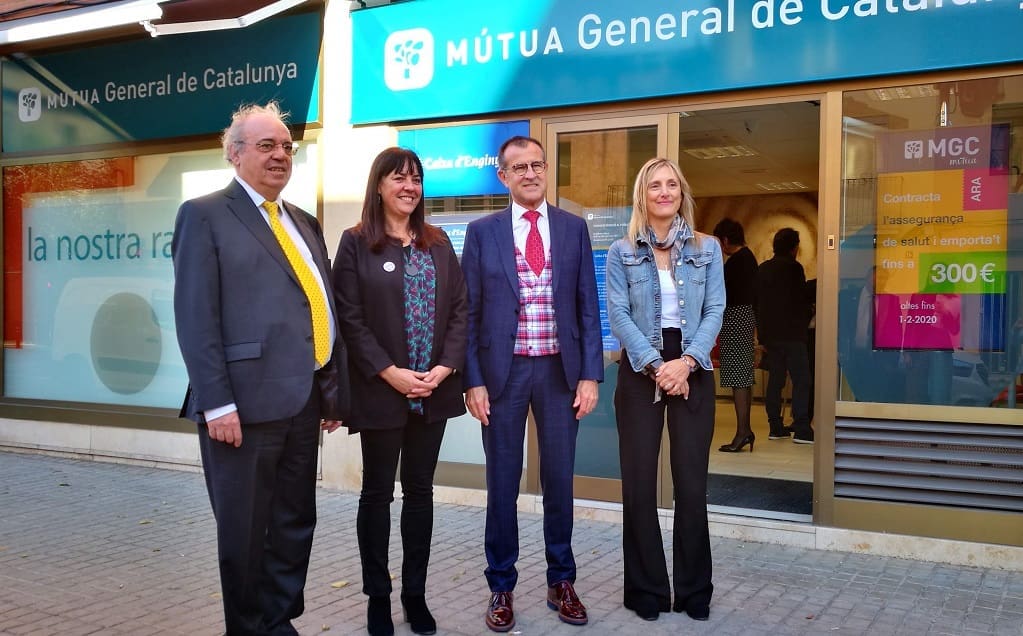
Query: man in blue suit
{"points": [[266, 369], [534, 342]]}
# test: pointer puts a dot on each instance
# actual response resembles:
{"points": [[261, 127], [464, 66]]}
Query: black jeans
{"points": [[418, 445]]}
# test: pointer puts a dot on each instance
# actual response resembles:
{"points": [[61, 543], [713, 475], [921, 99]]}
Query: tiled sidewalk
{"points": [[96, 548]]}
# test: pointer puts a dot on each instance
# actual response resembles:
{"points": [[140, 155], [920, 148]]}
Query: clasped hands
{"points": [[415, 384], [673, 378]]}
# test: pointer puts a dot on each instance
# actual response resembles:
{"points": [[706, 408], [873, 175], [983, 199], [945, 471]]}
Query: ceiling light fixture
{"points": [[780, 186], [721, 152], [78, 20], [240, 22]]}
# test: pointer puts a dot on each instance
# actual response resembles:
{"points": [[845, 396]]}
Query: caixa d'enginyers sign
{"points": [[159, 88], [443, 58]]}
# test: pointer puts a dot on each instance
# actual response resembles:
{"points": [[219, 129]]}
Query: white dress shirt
{"points": [[520, 228]]}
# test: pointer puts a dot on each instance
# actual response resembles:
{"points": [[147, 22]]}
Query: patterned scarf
{"points": [[420, 312], [669, 241]]}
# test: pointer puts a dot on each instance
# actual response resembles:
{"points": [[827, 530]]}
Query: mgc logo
{"points": [[408, 59], [914, 149], [30, 104]]}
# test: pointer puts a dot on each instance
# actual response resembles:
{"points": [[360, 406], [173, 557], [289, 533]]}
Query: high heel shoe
{"points": [[736, 447]]}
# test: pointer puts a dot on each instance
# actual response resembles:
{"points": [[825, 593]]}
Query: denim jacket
{"points": [[634, 297]]}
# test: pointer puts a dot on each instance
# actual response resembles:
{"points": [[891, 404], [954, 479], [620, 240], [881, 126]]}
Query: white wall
{"points": [[346, 157]]}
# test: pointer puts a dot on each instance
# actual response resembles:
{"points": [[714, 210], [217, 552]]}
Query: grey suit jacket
{"points": [[242, 318]]}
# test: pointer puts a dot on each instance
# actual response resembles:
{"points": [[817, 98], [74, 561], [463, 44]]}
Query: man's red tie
{"points": [[534, 244]]}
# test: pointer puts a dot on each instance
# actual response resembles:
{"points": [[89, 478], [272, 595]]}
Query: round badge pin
{"points": [[388, 266]]}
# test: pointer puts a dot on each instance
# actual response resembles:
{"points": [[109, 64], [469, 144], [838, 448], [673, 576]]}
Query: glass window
{"points": [[596, 172], [453, 214], [931, 275], [88, 277]]}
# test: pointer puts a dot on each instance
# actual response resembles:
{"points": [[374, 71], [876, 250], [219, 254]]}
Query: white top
{"points": [[671, 318]]}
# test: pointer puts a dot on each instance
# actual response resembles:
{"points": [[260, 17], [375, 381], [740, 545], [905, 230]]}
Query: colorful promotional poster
{"points": [[940, 259]]}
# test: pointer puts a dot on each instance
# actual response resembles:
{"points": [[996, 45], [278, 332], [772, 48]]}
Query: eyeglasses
{"points": [[520, 169], [266, 146]]}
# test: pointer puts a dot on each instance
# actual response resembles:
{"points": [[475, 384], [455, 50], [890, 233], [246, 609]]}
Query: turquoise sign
{"points": [[444, 58], [461, 160], [171, 86]]}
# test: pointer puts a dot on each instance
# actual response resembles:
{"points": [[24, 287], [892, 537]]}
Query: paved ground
{"points": [[96, 548]]}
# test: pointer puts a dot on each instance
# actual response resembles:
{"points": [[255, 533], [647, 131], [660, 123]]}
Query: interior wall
{"points": [[761, 216]]}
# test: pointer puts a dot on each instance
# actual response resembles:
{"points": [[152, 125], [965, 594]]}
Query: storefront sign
{"points": [[942, 207], [461, 160], [158, 88], [437, 58]]}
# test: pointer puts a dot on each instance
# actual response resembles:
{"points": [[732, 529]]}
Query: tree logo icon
{"points": [[914, 149], [408, 59], [30, 104]]}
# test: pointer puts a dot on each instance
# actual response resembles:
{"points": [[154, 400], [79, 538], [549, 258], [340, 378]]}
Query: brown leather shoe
{"points": [[561, 597], [500, 615]]}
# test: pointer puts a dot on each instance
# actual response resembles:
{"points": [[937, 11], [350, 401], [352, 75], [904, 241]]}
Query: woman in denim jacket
{"points": [[665, 300]]}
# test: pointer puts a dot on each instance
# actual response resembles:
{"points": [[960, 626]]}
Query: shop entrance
{"points": [[757, 164]]}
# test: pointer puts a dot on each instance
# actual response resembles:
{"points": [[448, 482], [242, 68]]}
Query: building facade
{"points": [[899, 164]]}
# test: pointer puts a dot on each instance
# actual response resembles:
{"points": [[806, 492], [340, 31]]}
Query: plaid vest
{"points": [[537, 333]]}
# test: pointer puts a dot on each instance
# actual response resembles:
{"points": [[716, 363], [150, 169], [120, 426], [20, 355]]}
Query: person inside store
{"points": [[402, 308], [811, 345], [736, 340], [534, 343], [783, 309], [666, 301], [266, 368]]}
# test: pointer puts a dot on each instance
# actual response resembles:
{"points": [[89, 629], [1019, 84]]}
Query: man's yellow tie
{"points": [[317, 303]]}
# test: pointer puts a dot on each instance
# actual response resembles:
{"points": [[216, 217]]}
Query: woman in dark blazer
{"points": [[402, 310]]}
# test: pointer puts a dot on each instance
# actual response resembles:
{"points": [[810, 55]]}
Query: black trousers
{"points": [[263, 495], [788, 358], [690, 429], [417, 443]]}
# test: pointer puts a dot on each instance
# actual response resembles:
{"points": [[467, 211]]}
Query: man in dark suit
{"points": [[257, 331], [534, 341]]}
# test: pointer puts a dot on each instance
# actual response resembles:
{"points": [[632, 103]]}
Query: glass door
{"points": [[594, 165], [756, 163]]}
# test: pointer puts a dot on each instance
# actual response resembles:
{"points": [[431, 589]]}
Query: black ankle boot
{"points": [[378, 616], [418, 615]]}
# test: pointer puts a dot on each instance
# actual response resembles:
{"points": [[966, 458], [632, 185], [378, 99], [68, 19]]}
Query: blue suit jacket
{"points": [[488, 262], [242, 317]]}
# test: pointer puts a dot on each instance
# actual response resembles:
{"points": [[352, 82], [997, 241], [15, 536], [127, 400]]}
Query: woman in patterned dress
{"points": [[402, 311], [735, 342]]}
